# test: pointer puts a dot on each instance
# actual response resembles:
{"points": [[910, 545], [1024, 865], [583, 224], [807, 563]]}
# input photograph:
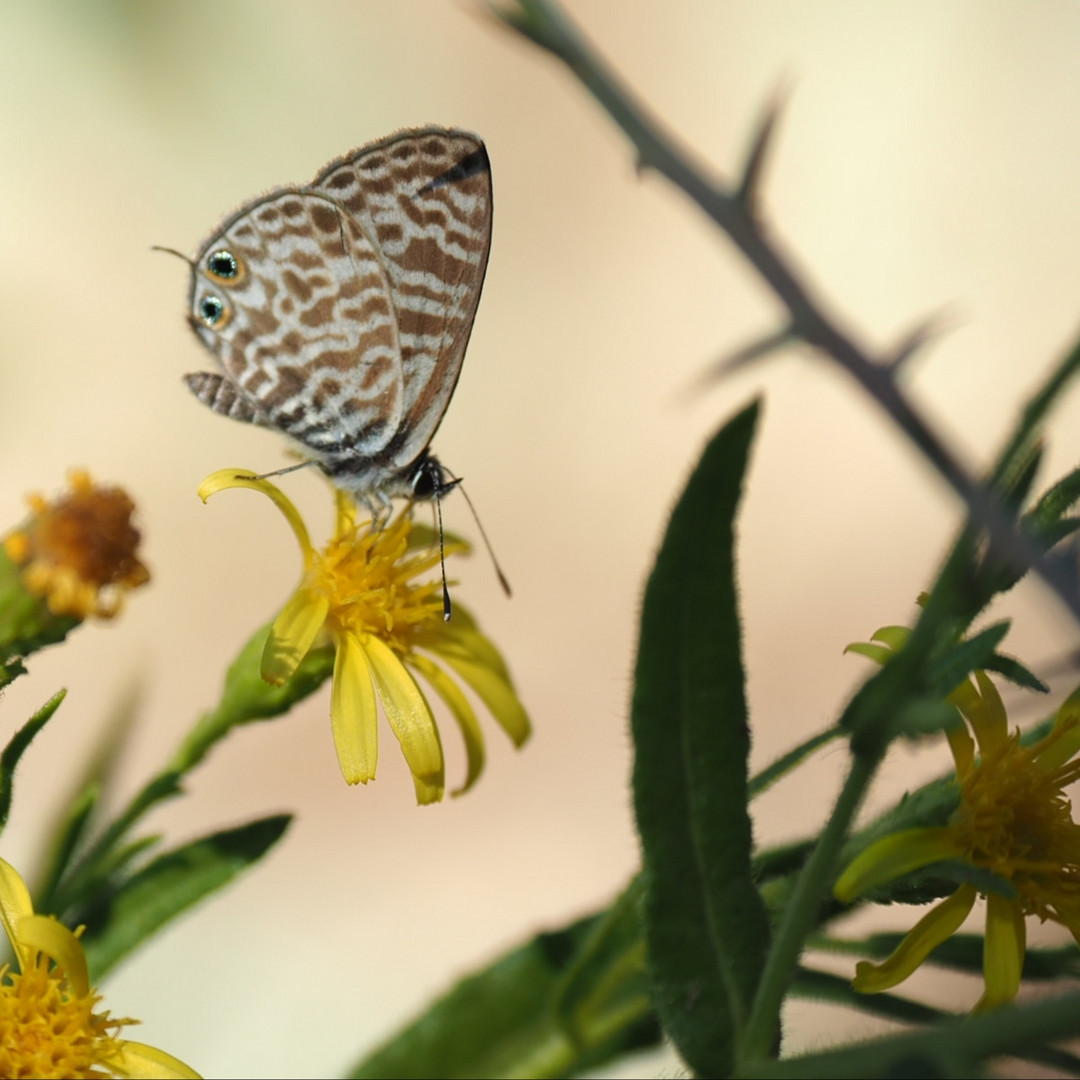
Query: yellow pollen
{"points": [[1016, 821], [46, 1030], [368, 581]]}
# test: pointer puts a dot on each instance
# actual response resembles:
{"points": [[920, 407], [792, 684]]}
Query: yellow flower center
{"points": [[368, 580], [47, 1030], [1015, 820]]}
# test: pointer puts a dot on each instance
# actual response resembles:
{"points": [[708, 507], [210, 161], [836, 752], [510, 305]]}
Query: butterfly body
{"points": [[339, 312]]}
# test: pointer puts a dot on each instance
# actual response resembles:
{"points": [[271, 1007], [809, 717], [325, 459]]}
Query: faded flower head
{"points": [[79, 552], [369, 593]]}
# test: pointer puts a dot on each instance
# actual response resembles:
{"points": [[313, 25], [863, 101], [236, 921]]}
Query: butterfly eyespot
{"points": [[224, 267], [213, 312]]}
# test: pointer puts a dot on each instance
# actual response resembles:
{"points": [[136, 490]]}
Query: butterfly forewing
{"points": [[340, 311]]}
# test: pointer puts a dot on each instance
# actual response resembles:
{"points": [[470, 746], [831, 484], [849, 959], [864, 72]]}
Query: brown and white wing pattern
{"points": [[340, 312], [425, 199]]}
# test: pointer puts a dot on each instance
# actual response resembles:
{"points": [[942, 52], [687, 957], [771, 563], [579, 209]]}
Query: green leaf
{"points": [[15, 749], [504, 1021], [1008, 667], [88, 792], [824, 986], [706, 925], [247, 697], [606, 989], [124, 918], [961, 660]]}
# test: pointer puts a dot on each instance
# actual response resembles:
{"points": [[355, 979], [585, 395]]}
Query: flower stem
{"points": [[759, 1037]]}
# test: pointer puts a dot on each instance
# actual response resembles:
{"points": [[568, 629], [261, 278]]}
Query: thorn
{"points": [[738, 359], [755, 161], [930, 328]]}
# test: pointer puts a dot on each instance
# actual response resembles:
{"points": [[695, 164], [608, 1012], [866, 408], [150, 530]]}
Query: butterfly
{"points": [[339, 312]]}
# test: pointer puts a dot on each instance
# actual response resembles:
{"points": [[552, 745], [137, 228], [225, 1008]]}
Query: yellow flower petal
{"points": [[459, 705], [292, 635], [143, 1062], [1064, 741], [495, 692], [984, 711], [353, 713], [43, 934], [893, 856], [15, 904], [1003, 953], [245, 478], [938, 924], [410, 717], [962, 746], [463, 635]]}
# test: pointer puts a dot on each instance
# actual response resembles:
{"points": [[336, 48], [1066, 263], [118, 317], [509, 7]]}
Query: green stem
{"points": [[759, 1036]]}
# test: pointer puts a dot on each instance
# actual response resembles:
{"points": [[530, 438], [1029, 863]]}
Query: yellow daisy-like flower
{"points": [[79, 552], [1013, 820], [361, 594], [49, 1023]]}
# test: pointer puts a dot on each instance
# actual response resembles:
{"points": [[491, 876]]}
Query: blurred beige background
{"points": [[928, 158]]}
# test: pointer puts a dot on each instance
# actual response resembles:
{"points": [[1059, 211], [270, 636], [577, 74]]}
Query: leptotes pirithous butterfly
{"points": [[339, 312]]}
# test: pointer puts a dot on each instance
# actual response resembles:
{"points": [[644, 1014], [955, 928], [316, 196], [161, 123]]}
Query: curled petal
{"points": [[493, 690], [962, 746], [895, 855], [244, 478], [15, 905], [938, 924], [143, 1062], [410, 717], [40, 933], [353, 713], [459, 705], [292, 635], [984, 711], [1003, 953]]}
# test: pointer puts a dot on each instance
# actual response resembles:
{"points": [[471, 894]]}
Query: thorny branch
{"points": [[543, 23]]}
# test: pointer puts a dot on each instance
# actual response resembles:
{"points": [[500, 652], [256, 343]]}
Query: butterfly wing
{"points": [[292, 298], [424, 199]]}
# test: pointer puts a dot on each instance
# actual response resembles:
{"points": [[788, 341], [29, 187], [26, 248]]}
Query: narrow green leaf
{"points": [[72, 827], [170, 885], [706, 925], [1008, 667], [503, 1021], [606, 989], [784, 764], [15, 749], [824, 986]]}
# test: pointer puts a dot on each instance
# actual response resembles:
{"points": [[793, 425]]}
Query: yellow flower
{"points": [[1013, 820], [79, 552], [360, 593], [49, 1026]]}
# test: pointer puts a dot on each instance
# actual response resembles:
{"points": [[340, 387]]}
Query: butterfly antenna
{"points": [[173, 251], [447, 610], [455, 481]]}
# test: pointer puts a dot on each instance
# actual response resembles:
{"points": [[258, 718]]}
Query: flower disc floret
{"points": [[1013, 820], [50, 1021]]}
